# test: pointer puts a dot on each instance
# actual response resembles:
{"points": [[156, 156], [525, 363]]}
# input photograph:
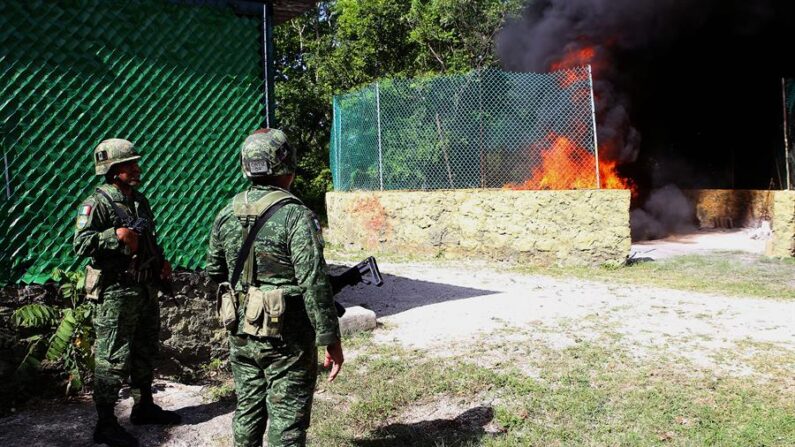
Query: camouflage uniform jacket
{"points": [[95, 233], [288, 254]]}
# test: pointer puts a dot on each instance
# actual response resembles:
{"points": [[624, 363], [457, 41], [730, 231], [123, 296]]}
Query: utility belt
{"points": [[263, 314], [96, 279], [133, 277]]}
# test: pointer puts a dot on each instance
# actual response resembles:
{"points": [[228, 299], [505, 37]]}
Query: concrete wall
{"points": [[540, 227]]}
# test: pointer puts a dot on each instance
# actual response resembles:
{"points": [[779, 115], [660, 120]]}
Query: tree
{"points": [[343, 44]]}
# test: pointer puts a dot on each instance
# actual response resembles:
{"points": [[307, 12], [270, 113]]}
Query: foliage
{"points": [[340, 45], [60, 335]]}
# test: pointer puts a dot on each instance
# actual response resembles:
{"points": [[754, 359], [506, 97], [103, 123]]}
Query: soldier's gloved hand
{"points": [[334, 358], [165, 274], [128, 237]]}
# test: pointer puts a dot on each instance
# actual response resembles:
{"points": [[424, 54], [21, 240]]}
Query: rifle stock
{"points": [[366, 271]]}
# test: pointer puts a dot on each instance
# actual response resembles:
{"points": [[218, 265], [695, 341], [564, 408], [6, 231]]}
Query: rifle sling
{"points": [[252, 235], [125, 218]]}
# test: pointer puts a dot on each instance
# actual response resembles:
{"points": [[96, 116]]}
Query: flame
{"points": [[575, 58], [564, 165]]}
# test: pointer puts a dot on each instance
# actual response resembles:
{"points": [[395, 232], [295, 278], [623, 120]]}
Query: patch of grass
{"points": [[223, 391], [587, 394], [722, 273]]}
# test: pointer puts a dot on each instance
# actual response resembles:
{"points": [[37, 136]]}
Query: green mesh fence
{"points": [[183, 83], [485, 129]]}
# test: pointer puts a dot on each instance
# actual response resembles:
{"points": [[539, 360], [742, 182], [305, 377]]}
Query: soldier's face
{"points": [[129, 173]]}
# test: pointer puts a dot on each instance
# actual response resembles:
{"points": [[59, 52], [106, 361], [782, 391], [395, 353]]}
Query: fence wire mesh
{"points": [[485, 129], [183, 83]]}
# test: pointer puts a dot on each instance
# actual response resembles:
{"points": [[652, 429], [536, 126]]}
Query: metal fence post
{"points": [[339, 137], [6, 175], [267, 63], [380, 152], [786, 132], [593, 126]]}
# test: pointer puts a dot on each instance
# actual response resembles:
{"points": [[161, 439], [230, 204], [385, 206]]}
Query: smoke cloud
{"points": [[687, 91]]}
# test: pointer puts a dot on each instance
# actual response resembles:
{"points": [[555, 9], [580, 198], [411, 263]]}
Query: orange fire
{"points": [[564, 165], [575, 58]]}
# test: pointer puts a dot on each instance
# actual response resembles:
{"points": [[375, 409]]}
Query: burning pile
{"points": [[564, 164], [695, 76]]}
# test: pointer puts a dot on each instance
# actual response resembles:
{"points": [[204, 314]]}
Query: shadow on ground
{"points": [[69, 424], [465, 429], [399, 294]]}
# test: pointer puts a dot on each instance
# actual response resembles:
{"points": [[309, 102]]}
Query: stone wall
{"points": [[783, 242], [190, 334], [731, 208], [735, 208], [539, 227]]}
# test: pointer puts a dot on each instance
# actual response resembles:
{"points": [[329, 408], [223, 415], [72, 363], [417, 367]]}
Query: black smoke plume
{"points": [[688, 92]]}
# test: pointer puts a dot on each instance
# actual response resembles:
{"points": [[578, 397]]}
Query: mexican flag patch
{"points": [[82, 216]]}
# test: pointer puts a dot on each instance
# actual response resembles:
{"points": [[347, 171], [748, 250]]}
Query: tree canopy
{"points": [[343, 44]]}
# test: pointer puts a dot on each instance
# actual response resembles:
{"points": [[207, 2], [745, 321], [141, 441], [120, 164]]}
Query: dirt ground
{"points": [[448, 309], [747, 240]]}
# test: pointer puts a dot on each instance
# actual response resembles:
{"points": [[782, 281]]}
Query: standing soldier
{"points": [[283, 306], [115, 228]]}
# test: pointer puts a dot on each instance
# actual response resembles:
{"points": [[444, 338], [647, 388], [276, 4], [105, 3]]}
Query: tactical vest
{"points": [[248, 213]]}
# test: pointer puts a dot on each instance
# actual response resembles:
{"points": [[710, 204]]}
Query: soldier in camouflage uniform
{"points": [[275, 376], [127, 316]]}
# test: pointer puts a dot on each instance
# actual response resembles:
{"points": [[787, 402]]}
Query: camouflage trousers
{"points": [[274, 383], [127, 324]]}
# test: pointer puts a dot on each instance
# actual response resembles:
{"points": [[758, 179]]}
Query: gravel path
{"points": [[447, 309], [440, 308]]}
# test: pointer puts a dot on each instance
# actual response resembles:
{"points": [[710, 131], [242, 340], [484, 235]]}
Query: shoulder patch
{"points": [[83, 214]]}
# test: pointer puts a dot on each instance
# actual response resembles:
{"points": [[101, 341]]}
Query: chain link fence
{"points": [[183, 83], [485, 129]]}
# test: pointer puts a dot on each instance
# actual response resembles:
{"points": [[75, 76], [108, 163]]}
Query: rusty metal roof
{"points": [[283, 10]]}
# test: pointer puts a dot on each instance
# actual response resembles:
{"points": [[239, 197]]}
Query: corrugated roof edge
{"points": [[283, 10]]}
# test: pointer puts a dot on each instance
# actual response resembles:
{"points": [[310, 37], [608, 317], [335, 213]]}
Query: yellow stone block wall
{"points": [[783, 242], [583, 227]]}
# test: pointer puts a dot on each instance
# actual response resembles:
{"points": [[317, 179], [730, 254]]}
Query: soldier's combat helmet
{"points": [[112, 152], [267, 153]]}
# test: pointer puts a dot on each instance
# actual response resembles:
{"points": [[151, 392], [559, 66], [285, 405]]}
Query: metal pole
{"points": [[7, 176], [378, 118], [480, 130], [786, 131], [267, 63], [339, 137], [593, 124]]}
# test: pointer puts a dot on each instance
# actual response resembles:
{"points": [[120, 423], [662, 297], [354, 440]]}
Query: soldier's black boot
{"points": [[108, 431], [144, 411]]}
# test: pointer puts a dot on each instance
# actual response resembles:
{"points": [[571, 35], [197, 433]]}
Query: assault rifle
{"points": [[142, 228], [364, 272]]}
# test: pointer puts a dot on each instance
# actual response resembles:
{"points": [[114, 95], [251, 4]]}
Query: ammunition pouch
{"points": [[226, 306], [264, 315], [93, 283]]}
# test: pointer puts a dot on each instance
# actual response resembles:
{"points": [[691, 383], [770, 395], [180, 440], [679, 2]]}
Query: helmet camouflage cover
{"points": [[266, 153], [112, 152]]}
